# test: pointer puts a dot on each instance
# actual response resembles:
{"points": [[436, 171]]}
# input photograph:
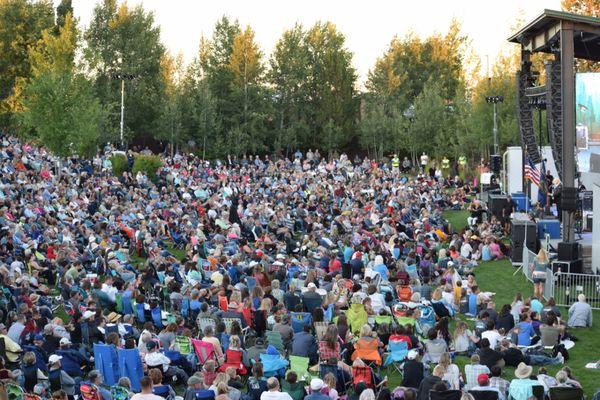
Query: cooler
{"points": [[549, 226], [520, 201]]}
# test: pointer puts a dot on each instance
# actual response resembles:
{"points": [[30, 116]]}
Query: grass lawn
{"points": [[500, 277]]}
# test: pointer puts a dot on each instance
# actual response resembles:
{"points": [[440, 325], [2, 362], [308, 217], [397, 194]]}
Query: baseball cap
{"points": [[54, 358], [483, 379], [412, 355], [38, 337], [311, 285], [64, 341], [151, 345]]}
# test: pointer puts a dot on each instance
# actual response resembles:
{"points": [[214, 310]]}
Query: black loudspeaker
{"points": [[516, 252], [574, 267], [523, 229], [495, 163], [569, 197], [496, 203], [568, 251]]}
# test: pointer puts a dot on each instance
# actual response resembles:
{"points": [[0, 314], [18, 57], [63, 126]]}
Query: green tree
{"points": [[289, 69], [62, 10], [127, 40], [331, 88], [21, 25], [60, 108], [246, 69], [431, 128]]}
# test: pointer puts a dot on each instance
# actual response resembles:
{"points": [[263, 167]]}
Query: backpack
{"points": [[119, 393], [89, 391], [14, 392], [405, 293], [560, 348]]}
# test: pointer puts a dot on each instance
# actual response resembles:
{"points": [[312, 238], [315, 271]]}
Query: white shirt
{"points": [[154, 359], [377, 302], [110, 291], [269, 395], [466, 250], [493, 336], [150, 396]]}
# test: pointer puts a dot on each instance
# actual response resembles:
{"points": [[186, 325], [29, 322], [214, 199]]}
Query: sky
{"points": [[369, 26]]}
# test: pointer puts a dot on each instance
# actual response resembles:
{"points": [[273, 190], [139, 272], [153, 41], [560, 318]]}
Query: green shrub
{"points": [[147, 165], [119, 164]]}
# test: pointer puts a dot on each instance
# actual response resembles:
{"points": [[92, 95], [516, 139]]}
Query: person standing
{"points": [[538, 272]]}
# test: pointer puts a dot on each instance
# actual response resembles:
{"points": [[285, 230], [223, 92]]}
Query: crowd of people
{"points": [[255, 279]]}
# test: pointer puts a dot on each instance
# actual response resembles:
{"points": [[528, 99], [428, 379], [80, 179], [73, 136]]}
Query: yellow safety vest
{"points": [[462, 160]]}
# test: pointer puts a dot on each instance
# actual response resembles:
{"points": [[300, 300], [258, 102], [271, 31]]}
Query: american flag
{"points": [[532, 173]]}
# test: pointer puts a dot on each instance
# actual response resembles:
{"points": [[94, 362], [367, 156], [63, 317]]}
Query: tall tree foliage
{"points": [[289, 69], [59, 105], [21, 25], [331, 88], [126, 39]]}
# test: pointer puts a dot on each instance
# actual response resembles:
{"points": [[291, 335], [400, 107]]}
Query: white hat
{"points": [[450, 264], [316, 384], [280, 257], [412, 355], [88, 314], [311, 285], [64, 341], [54, 358]]}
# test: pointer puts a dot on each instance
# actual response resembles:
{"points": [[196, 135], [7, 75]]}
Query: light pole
{"points": [[122, 76], [494, 100]]}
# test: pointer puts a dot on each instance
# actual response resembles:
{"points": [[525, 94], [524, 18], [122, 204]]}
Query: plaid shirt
{"points": [[326, 352], [472, 371], [501, 384]]}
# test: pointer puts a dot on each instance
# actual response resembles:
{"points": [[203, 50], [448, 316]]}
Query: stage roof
{"points": [[542, 34]]}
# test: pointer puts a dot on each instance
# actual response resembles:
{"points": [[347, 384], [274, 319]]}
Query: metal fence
{"points": [[567, 286], [564, 286]]}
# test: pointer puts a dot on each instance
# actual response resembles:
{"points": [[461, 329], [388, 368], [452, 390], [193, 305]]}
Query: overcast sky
{"points": [[368, 25]]}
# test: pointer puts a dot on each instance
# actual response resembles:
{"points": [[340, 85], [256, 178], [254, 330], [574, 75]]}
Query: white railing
{"points": [[567, 286]]}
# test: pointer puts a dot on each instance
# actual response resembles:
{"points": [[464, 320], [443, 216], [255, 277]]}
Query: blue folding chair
{"points": [[157, 317], [139, 310], [299, 320], [398, 350]]}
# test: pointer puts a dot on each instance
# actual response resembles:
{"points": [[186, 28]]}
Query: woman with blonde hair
{"points": [[451, 371], [538, 272]]}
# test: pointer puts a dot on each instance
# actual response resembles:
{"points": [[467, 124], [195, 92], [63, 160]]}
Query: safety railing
{"points": [[566, 287]]}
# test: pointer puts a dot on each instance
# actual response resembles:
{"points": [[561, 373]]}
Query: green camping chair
{"points": [[183, 344], [275, 340], [383, 319], [300, 366]]}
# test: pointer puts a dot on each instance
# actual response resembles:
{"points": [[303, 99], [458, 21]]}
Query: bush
{"points": [[148, 165], [119, 164]]}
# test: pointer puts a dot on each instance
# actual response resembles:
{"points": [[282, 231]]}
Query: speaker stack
{"points": [[495, 164], [495, 204], [569, 258], [522, 232], [569, 197]]}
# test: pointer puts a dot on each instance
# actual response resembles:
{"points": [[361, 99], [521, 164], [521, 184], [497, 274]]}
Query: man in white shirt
{"points": [[491, 334], [109, 289], [273, 393], [146, 393], [154, 358]]}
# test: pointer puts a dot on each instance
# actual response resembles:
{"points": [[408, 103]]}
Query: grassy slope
{"points": [[499, 277]]}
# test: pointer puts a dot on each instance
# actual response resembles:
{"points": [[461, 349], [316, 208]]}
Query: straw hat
{"points": [[113, 317], [523, 371]]}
